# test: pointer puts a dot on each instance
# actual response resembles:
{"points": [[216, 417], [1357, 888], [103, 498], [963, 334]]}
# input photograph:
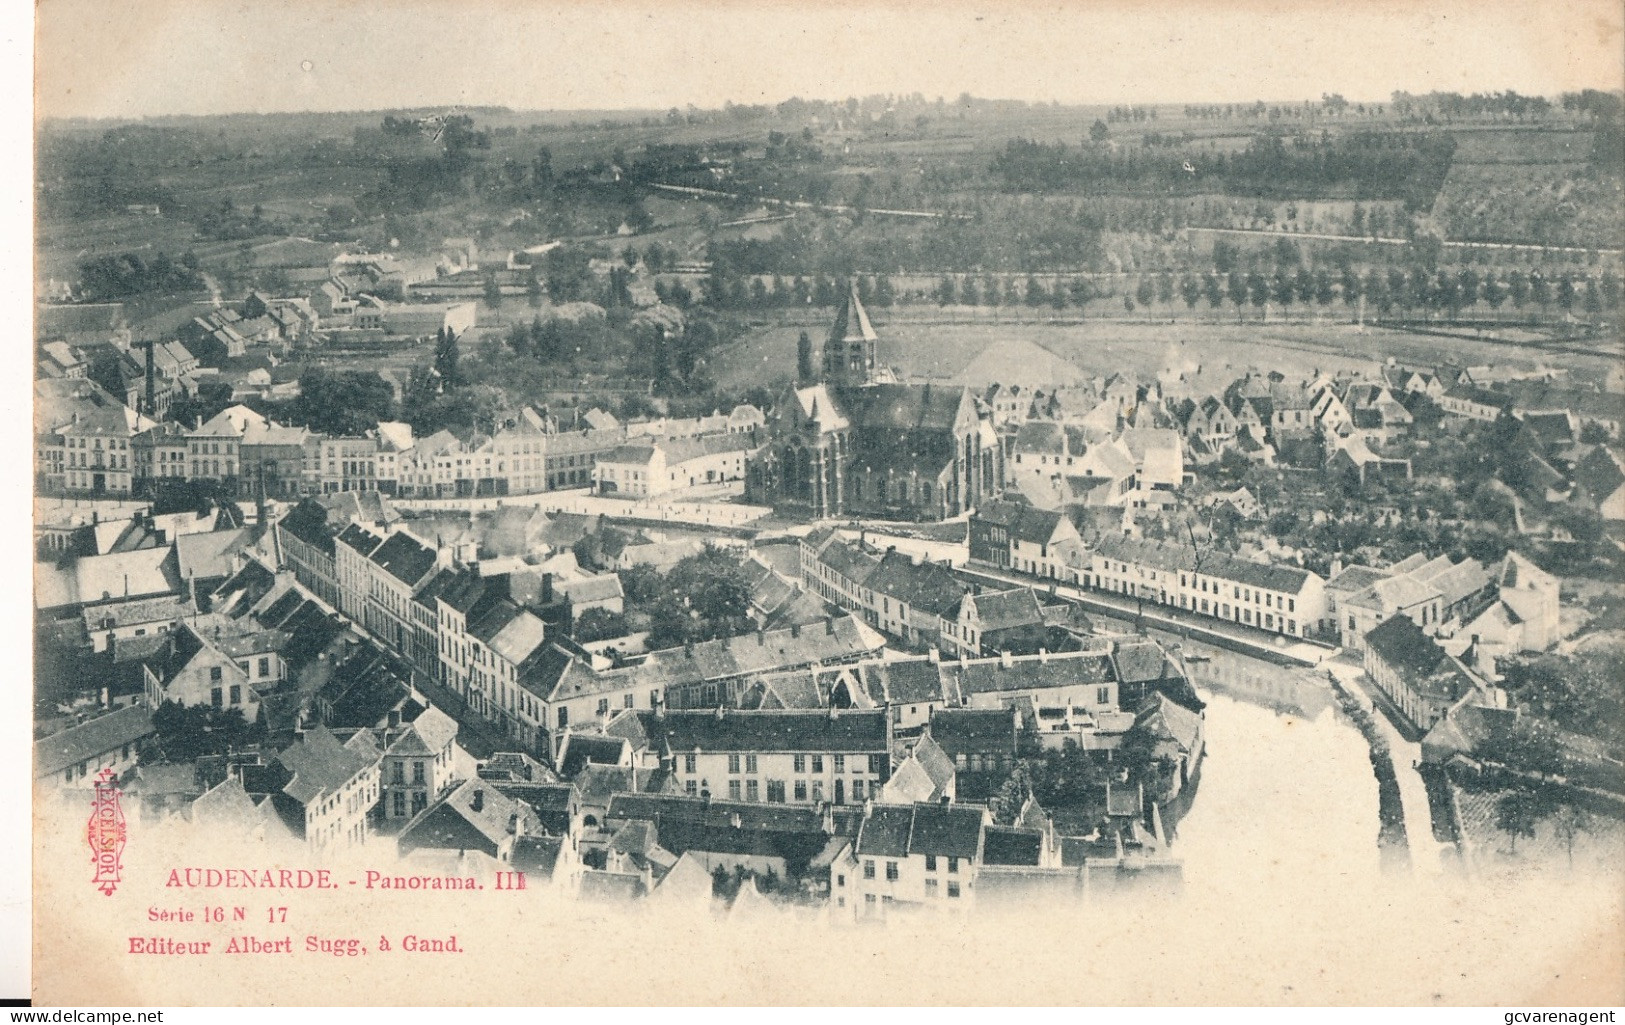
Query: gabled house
{"points": [[475, 816], [1418, 675], [921, 854]]}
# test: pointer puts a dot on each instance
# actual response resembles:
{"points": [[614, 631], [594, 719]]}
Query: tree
{"points": [[599, 624], [1237, 291], [804, 359], [445, 358], [493, 292], [342, 402], [1145, 292], [1516, 814], [533, 292], [1012, 795], [1568, 823], [1098, 131]]}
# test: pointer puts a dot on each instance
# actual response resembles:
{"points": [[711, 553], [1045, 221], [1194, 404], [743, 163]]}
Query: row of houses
{"points": [[90, 442]]}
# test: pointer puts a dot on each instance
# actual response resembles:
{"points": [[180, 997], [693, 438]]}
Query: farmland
{"points": [[940, 345]]}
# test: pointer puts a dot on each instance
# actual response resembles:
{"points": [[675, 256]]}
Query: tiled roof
{"points": [[433, 828], [404, 558], [582, 748], [1002, 610], [789, 731], [929, 587], [1032, 672], [320, 766], [1181, 558], [89, 739], [1008, 845], [1401, 644], [943, 830], [1167, 718], [1355, 579], [359, 538], [964, 730]]}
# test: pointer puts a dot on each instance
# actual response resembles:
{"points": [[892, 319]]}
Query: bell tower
{"points": [[849, 352]]}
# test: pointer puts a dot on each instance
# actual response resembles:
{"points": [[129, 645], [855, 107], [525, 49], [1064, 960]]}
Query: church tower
{"points": [[849, 353]]}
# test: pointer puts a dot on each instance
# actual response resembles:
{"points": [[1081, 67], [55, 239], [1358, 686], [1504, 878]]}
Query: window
{"points": [[817, 791], [801, 763], [877, 764], [840, 763], [801, 790], [265, 666], [818, 763], [930, 862], [752, 791], [214, 697], [953, 889], [603, 706], [564, 719], [1103, 695], [857, 791], [692, 788], [840, 879], [400, 802], [953, 865], [869, 869], [750, 763], [214, 675], [931, 888], [626, 700], [733, 763], [417, 773], [733, 790], [399, 774], [891, 871], [691, 763], [775, 791], [236, 694]]}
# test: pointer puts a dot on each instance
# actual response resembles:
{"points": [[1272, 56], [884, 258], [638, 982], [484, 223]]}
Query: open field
{"points": [[939, 348]]}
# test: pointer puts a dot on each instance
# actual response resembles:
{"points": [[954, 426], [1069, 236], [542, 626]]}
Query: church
{"points": [[857, 444]]}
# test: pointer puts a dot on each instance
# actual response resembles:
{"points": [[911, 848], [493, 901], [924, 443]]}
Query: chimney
{"points": [[478, 803], [1005, 661], [829, 625], [935, 655], [513, 823], [547, 588], [1043, 657], [761, 637], [795, 630]]}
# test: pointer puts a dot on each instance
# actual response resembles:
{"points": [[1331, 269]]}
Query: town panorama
{"points": [[870, 509]]}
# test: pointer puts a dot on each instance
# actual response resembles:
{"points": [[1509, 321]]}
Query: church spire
{"points": [[849, 352]]}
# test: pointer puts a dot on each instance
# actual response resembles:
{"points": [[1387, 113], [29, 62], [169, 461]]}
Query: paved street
{"points": [[697, 507]]}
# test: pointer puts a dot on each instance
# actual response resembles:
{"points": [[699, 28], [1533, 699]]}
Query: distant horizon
{"points": [[146, 59], [508, 110]]}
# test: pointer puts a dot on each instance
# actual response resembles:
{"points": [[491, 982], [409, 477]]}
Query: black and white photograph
{"points": [[701, 504]]}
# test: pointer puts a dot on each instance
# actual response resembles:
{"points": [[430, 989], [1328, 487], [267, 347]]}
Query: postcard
{"points": [[863, 504]]}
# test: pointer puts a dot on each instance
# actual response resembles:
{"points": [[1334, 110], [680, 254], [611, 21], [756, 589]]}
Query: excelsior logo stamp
{"points": [[106, 831]]}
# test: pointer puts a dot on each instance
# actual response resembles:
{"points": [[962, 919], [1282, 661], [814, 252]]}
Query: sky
{"points": [[141, 58]]}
